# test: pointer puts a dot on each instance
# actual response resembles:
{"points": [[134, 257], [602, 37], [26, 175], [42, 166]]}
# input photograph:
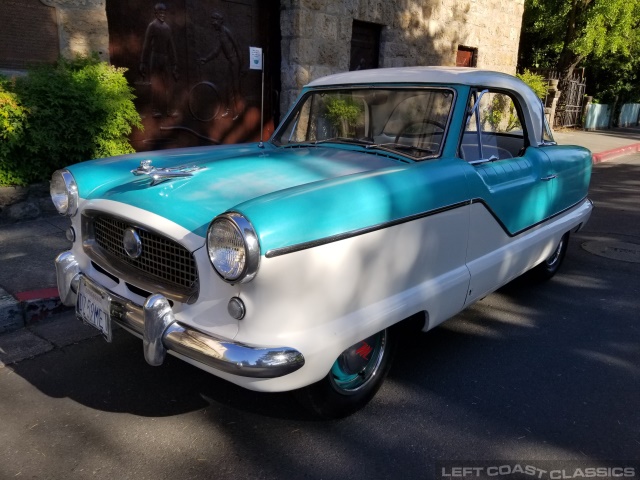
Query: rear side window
{"points": [[494, 129]]}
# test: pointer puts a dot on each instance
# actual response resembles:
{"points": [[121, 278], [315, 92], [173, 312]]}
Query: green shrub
{"points": [[13, 123], [344, 113], [75, 110], [536, 82]]}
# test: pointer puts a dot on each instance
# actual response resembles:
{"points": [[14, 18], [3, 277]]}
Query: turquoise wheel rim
{"points": [[359, 364]]}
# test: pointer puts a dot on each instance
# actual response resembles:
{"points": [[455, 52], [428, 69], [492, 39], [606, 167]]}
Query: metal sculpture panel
{"points": [[189, 63]]}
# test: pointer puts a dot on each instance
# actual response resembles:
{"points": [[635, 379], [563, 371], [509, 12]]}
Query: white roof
{"points": [[531, 105]]}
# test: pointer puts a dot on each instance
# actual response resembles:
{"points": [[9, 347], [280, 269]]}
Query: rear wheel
{"points": [[354, 379], [551, 265]]}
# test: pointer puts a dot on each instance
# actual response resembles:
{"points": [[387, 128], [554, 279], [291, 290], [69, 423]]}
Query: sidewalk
{"points": [[28, 292], [604, 144]]}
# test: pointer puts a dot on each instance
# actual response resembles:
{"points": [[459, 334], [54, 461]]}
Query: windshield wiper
{"points": [[368, 144], [401, 146], [346, 140]]}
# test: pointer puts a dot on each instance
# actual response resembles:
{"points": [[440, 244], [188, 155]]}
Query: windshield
{"points": [[410, 121]]}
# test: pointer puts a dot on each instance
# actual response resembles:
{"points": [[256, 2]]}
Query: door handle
{"points": [[550, 177]]}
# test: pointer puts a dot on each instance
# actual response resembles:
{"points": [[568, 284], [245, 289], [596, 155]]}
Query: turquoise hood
{"points": [[230, 175]]}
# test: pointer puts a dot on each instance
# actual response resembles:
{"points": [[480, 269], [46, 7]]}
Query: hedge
{"points": [[62, 114]]}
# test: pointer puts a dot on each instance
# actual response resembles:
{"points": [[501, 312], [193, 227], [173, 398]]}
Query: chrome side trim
{"points": [[161, 333], [515, 234], [276, 252]]}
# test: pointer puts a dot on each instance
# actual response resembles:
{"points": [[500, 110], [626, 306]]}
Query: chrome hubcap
{"points": [[555, 256], [358, 364]]}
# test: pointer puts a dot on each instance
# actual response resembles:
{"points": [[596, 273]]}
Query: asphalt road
{"points": [[532, 374]]}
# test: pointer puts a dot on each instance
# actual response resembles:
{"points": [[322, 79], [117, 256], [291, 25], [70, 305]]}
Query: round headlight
{"points": [[64, 192], [233, 248]]}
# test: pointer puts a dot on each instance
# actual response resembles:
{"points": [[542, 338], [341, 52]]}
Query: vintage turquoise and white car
{"points": [[287, 265]]}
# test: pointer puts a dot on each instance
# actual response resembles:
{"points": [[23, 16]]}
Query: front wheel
{"points": [[354, 379]]}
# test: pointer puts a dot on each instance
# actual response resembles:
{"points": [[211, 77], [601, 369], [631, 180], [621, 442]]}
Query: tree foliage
{"points": [[614, 78], [536, 82], [562, 33], [62, 114]]}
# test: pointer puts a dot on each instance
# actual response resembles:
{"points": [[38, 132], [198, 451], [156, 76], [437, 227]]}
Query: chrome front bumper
{"points": [[160, 332]]}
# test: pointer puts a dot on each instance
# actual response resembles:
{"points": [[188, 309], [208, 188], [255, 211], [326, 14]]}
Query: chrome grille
{"points": [[163, 259]]}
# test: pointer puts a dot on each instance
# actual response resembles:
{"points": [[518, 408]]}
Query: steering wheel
{"points": [[409, 126]]}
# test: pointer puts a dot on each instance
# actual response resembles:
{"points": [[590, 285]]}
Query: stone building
{"points": [[320, 37], [37, 31], [190, 69]]}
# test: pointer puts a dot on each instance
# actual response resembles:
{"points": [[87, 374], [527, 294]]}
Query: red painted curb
{"points": [[615, 152], [45, 293]]}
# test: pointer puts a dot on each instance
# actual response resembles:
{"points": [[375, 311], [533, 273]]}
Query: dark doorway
{"points": [[365, 45], [188, 61], [466, 56]]}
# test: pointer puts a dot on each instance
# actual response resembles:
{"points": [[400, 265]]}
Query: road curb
{"points": [[615, 152], [11, 317], [28, 308]]}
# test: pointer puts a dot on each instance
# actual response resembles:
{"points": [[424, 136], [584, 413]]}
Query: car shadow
{"points": [[116, 378]]}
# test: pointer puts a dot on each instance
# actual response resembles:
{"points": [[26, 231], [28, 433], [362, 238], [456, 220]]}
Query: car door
{"points": [[508, 181]]}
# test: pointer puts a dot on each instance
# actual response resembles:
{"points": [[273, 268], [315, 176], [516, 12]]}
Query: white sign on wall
{"points": [[255, 58]]}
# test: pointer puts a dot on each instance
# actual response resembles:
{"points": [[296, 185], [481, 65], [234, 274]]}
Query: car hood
{"points": [[227, 176]]}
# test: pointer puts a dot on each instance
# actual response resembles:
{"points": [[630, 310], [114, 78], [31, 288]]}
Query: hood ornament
{"points": [[159, 175]]}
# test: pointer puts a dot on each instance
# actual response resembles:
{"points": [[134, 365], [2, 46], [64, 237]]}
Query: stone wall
{"points": [[82, 27], [316, 35]]}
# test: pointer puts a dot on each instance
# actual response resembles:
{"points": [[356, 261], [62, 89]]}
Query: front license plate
{"points": [[93, 307]]}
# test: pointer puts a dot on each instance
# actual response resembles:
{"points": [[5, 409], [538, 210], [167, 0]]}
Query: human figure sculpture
{"points": [[159, 61], [224, 43]]}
